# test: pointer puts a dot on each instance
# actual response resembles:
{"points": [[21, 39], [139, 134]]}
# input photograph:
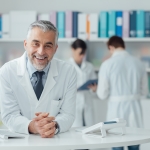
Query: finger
{"points": [[50, 136], [49, 132], [42, 122], [41, 116], [45, 130], [49, 119], [38, 113], [46, 121], [49, 125]]}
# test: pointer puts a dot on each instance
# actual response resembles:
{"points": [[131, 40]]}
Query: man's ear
{"points": [[111, 47], [56, 48], [25, 44]]}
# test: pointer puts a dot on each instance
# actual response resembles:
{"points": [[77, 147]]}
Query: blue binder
{"points": [[147, 24], [61, 24], [140, 23], [111, 23], [0, 26], [75, 24], [132, 23], [103, 32], [119, 23]]}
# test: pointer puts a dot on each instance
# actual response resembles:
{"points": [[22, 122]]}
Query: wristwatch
{"points": [[57, 127]]}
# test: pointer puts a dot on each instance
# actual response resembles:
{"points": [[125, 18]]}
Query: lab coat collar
{"points": [[120, 52], [31, 69], [83, 65], [26, 83]]}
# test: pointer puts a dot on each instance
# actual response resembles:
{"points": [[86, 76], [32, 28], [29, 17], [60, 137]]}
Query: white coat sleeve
{"points": [[144, 84], [103, 82], [66, 116], [10, 111]]}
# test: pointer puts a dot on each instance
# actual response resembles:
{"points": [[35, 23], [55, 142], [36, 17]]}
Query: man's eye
{"points": [[35, 44], [48, 46]]}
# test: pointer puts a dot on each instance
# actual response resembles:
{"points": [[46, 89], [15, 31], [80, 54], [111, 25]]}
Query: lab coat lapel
{"points": [[83, 66], [78, 69], [25, 80], [50, 82]]}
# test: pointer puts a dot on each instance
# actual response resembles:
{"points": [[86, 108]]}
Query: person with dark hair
{"points": [[85, 72], [123, 81]]}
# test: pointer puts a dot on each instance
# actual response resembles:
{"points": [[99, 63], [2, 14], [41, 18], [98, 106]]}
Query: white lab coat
{"points": [[18, 100], [84, 99], [123, 81]]}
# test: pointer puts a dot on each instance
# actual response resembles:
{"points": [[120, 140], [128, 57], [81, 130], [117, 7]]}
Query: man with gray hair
{"points": [[38, 92]]}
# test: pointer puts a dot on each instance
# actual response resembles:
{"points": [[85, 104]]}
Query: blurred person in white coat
{"points": [[85, 72], [123, 81]]}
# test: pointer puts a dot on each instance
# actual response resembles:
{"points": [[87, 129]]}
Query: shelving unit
{"points": [[90, 40], [21, 40], [125, 39]]}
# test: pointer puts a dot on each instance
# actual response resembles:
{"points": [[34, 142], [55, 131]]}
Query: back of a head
{"points": [[116, 42], [78, 43]]}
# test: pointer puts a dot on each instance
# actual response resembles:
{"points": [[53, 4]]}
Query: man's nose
{"points": [[41, 50]]}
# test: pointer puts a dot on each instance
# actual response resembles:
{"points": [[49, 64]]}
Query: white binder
{"points": [[82, 25], [93, 18]]}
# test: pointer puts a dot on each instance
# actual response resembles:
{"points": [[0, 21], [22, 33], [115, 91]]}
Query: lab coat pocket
{"points": [[55, 107]]}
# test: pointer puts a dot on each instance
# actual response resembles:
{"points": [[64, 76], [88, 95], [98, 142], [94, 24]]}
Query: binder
{"points": [[75, 24], [0, 26], [112, 23], [93, 26], [119, 23], [103, 32], [69, 20], [20, 21], [5, 26], [132, 23], [44, 16], [82, 22], [149, 82], [125, 25], [140, 23], [147, 24], [53, 18], [61, 24]]}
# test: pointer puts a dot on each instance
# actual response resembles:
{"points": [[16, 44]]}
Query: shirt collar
{"points": [[119, 52], [31, 68]]}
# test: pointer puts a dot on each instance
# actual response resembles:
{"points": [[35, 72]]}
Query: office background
{"points": [[12, 48]]}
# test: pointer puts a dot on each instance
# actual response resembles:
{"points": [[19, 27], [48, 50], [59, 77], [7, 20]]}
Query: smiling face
{"points": [[41, 47]]}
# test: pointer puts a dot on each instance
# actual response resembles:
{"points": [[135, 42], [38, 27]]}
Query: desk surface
{"points": [[75, 140]]}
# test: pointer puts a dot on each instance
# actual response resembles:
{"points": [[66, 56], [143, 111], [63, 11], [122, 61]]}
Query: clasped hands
{"points": [[43, 124]]}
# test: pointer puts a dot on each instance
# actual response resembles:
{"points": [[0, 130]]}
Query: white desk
{"points": [[74, 140]]}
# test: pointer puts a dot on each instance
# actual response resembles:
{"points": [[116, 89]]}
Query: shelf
{"points": [[21, 40], [90, 40], [125, 39]]}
